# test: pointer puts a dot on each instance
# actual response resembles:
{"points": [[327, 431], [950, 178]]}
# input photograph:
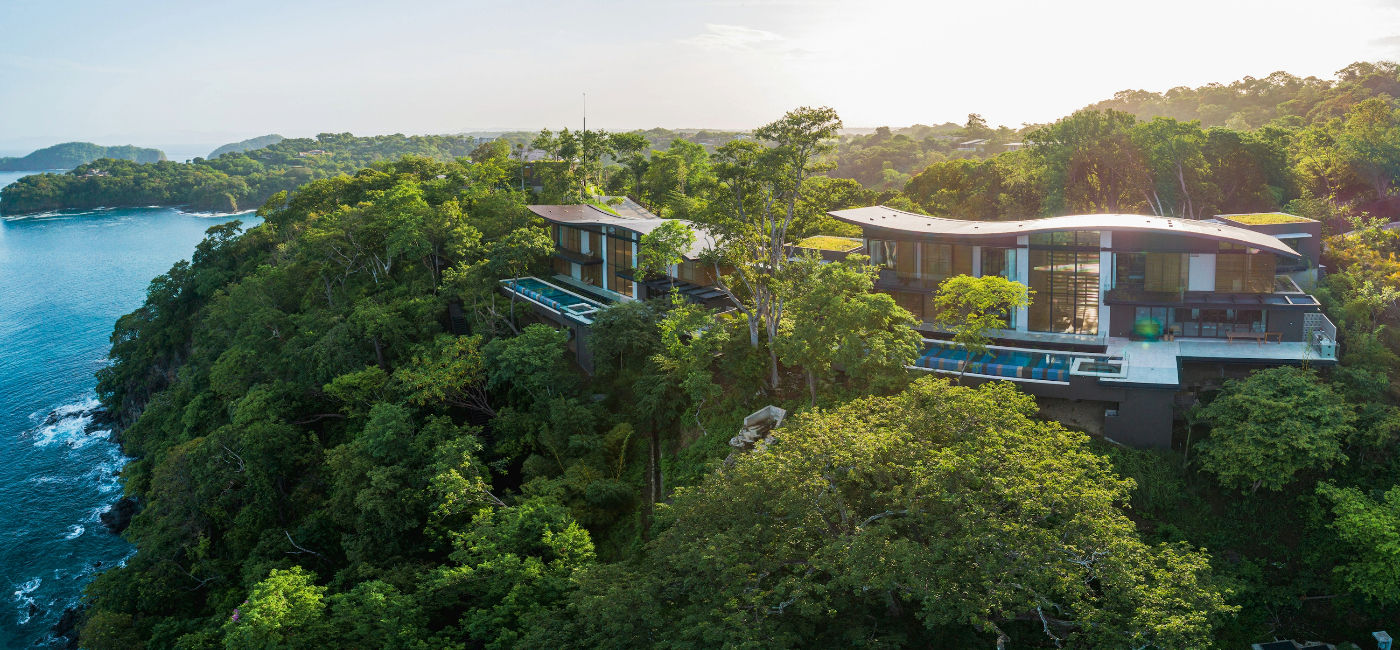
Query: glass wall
{"points": [[882, 252], [1152, 322], [1151, 272], [1064, 274], [1238, 270], [943, 261], [619, 259], [999, 261]]}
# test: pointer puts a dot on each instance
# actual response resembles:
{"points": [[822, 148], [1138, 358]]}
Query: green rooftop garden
{"points": [[830, 243], [1263, 218]]}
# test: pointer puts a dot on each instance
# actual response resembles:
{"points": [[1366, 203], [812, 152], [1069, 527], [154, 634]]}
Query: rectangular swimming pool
{"points": [[1012, 364], [1020, 363], [560, 300]]}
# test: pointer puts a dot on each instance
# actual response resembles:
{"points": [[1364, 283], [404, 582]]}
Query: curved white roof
{"points": [[892, 219], [588, 215]]}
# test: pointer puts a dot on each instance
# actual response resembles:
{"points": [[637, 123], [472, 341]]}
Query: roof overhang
{"points": [[587, 215], [898, 220]]}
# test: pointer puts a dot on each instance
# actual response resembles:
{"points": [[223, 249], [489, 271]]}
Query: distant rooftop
{"points": [[1263, 218], [830, 243]]}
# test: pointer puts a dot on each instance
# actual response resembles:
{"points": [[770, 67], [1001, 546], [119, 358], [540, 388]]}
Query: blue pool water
{"points": [[64, 280], [554, 297], [1012, 364]]}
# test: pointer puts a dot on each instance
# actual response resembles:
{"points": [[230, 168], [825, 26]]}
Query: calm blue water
{"points": [[64, 280]]}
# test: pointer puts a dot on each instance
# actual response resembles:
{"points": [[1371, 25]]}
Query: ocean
{"points": [[64, 280]]}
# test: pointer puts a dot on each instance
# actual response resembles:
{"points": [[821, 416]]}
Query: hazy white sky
{"points": [[173, 72]]}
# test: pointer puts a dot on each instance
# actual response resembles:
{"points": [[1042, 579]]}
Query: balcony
{"points": [[1209, 299], [582, 259]]}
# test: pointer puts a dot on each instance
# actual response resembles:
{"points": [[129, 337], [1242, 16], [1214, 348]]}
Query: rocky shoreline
{"points": [[116, 518]]}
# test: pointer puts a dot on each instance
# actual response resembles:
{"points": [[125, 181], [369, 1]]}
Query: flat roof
{"points": [[1264, 218], [588, 215], [891, 219]]}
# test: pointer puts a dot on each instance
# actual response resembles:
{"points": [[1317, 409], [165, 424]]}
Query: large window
{"points": [[1064, 274], [1238, 270], [1152, 322], [570, 240], [905, 259], [943, 261], [1151, 272], [882, 252], [619, 260], [999, 261]]}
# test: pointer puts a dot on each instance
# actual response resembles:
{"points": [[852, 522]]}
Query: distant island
{"points": [[71, 154], [234, 181], [247, 145]]}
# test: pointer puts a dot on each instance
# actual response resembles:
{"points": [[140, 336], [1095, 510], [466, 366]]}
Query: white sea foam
{"points": [[217, 215], [66, 425], [74, 532], [24, 600]]}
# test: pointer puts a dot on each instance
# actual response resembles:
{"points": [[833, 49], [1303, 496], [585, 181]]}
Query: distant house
{"points": [[594, 263], [313, 152], [973, 145], [1013, 146]]}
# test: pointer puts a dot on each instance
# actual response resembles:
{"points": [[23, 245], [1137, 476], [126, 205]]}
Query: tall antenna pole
{"points": [[585, 111]]}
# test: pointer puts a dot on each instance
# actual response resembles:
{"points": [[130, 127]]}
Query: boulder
{"points": [[99, 420], [66, 629], [118, 517]]}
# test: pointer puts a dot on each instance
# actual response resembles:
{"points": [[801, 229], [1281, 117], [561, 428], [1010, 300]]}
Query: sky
{"points": [[175, 73]]}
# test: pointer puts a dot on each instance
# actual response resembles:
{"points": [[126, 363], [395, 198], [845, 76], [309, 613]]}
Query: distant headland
{"points": [[71, 154]]}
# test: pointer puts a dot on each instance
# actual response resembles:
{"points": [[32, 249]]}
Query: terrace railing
{"points": [[1321, 334]]}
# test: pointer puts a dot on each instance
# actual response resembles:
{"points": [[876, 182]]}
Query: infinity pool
{"points": [[1012, 364], [563, 301]]}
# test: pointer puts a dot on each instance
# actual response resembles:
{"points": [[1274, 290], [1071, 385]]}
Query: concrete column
{"points": [[605, 274], [976, 261], [1023, 275], [1105, 278], [919, 259], [636, 290]]}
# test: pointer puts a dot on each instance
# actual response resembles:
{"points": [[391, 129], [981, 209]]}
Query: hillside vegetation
{"points": [[234, 181], [321, 462], [246, 145], [71, 154]]}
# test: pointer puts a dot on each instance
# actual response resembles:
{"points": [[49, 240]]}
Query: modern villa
{"points": [[1131, 315], [1128, 310], [595, 255]]}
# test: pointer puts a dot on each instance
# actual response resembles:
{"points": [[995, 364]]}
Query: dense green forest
{"points": [[231, 182], [1280, 98], [71, 154], [888, 157], [246, 145], [321, 461]]}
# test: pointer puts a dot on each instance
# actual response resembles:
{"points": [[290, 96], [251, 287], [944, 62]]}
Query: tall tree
{"points": [[943, 515], [762, 188], [1273, 426], [835, 320], [970, 307]]}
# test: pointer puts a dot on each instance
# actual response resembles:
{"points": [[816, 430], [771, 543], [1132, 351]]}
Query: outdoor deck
{"points": [[1127, 362]]}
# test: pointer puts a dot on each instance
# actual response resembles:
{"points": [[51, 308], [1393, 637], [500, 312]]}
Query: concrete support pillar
{"points": [[1023, 275], [1105, 278]]}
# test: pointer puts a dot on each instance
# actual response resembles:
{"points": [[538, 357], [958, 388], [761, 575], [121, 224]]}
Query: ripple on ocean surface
{"points": [[66, 279]]}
